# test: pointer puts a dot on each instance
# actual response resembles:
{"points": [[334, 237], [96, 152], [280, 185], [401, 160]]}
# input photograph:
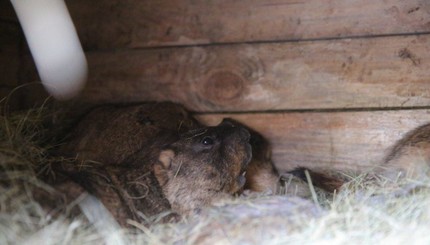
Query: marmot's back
{"points": [[111, 134], [410, 155]]}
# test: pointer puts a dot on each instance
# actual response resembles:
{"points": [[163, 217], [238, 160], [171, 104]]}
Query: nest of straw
{"points": [[359, 214]]}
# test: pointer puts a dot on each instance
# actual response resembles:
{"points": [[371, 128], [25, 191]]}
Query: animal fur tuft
{"points": [[321, 180]]}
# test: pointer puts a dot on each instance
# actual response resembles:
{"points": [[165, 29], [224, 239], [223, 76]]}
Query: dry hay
{"points": [[360, 214]]}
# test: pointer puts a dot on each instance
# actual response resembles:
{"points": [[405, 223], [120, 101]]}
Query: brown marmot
{"points": [[407, 158], [261, 175], [141, 160], [410, 156]]}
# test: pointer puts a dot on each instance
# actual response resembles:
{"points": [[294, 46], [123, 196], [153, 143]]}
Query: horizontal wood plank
{"points": [[106, 24], [341, 140], [357, 73]]}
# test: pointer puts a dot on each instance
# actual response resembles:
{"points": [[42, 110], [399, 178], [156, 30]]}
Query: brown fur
{"points": [[112, 134], [261, 174], [193, 175], [142, 160], [319, 179], [410, 156]]}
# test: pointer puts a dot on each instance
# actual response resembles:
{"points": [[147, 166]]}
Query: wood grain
{"points": [[106, 24], [356, 73], [341, 140]]}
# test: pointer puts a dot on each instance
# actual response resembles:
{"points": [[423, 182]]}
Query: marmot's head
{"points": [[204, 165], [261, 175]]}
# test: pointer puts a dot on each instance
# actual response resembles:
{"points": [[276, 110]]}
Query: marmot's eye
{"points": [[207, 141]]}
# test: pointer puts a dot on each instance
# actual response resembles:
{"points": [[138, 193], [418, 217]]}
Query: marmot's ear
{"points": [[163, 165], [165, 158]]}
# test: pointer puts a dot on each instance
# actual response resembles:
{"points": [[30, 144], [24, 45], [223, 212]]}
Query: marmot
{"points": [[262, 175], [410, 156], [141, 160], [407, 158]]}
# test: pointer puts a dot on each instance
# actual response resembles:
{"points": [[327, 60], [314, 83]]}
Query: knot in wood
{"points": [[224, 87]]}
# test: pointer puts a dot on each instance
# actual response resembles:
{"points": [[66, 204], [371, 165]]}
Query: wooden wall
{"points": [[331, 82]]}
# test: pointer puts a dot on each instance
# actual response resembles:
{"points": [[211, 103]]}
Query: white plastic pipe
{"points": [[54, 44]]}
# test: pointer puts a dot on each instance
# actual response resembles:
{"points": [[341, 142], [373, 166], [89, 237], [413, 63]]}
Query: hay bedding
{"points": [[357, 215]]}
